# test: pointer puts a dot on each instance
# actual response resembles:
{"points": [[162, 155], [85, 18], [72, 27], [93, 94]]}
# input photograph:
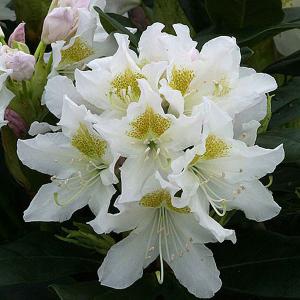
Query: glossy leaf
{"points": [[289, 137], [262, 263], [40, 257]]}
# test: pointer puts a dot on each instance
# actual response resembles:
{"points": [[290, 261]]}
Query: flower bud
{"points": [[18, 35], [60, 25], [21, 64], [16, 123]]}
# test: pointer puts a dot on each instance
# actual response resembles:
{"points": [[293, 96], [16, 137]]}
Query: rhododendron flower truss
{"points": [[159, 230], [156, 137], [78, 159]]}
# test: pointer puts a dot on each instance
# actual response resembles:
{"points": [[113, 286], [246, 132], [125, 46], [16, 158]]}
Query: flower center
{"points": [[162, 198], [221, 87], [88, 143], [214, 148], [126, 87], [149, 125], [181, 79], [76, 53]]}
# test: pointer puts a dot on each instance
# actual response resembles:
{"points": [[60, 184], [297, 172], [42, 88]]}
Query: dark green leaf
{"points": [[289, 65], [242, 14], [196, 12], [286, 94], [169, 12], [40, 257], [146, 288], [246, 53], [114, 25], [289, 137], [261, 263], [249, 36], [286, 104]]}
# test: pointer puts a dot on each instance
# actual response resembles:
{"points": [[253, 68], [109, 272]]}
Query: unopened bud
{"points": [[16, 123], [21, 64], [18, 35], [60, 25]]}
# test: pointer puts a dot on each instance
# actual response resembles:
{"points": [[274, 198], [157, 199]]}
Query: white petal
{"points": [[196, 269], [93, 86], [55, 90], [129, 217], [41, 128], [256, 201], [44, 208], [126, 260], [100, 199], [72, 116], [246, 163], [200, 206], [50, 154], [134, 175]]}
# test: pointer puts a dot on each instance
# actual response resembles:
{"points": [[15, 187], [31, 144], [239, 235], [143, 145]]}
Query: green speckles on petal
{"points": [[149, 125], [76, 53], [88, 143], [159, 198]]}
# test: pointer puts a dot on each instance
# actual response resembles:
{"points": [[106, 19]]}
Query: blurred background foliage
{"points": [[54, 261]]}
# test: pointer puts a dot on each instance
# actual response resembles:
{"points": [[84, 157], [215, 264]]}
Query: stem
{"points": [[49, 64], [27, 96], [40, 50]]}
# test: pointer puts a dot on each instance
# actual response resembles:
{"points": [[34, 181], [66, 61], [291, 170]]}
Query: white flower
{"points": [[214, 73], [78, 159], [5, 12], [288, 42], [148, 138], [159, 230], [112, 84], [224, 174]]}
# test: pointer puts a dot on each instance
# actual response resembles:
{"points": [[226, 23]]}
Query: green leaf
{"points": [[169, 12], [242, 14], [196, 13], [289, 137], [286, 104], [286, 179], [114, 25], [251, 35], [9, 142], [254, 35], [246, 53], [40, 257], [147, 288], [289, 65], [262, 263]]}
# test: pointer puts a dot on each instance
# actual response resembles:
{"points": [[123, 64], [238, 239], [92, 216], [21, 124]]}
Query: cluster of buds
{"points": [[15, 57]]}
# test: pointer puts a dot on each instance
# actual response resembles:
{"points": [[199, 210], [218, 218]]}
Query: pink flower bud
{"points": [[60, 25], [16, 123], [18, 35], [21, 63]]}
